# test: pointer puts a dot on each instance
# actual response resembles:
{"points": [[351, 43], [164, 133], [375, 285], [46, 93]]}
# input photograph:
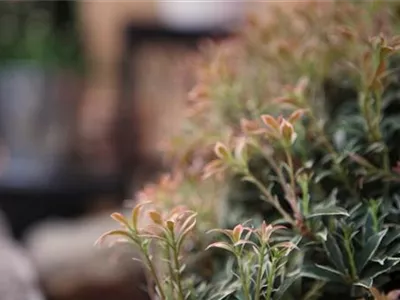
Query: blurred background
{"points": [[87, 91]]}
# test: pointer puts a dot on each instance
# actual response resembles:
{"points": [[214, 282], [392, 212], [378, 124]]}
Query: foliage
{"points": [[166, 235], [318, 156], [29, 32]]}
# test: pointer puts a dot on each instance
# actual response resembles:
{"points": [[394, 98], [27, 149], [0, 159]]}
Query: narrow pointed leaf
{"points": [[393, 250], [323, 273], [155, 216], [245, 242], [226, 232], [183, 235], [153, 237], [379, 260], [120, 219], [121, 232], [136, 212], [374, 269], [365, 283], [390, 237], [222, 151], [287, 283], [220, 245], [189, 221], [328, 211], [323, 234], [369, 250], [334, 253]]}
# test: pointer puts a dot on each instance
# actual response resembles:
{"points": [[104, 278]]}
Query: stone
{"points": [[18, 277]]}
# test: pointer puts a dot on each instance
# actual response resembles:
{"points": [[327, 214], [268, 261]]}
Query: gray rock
{"points": [[18, 278]]}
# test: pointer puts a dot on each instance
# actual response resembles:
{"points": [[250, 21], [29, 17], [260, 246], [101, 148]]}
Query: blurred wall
{"points": [[161, 86]]}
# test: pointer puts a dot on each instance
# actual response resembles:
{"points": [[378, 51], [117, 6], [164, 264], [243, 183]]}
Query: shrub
{"points": [[303, 117]]}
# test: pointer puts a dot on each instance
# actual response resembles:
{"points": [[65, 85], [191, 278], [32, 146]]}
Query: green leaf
{"points": [[322, 175], [390, 237], [328, 211], [361, 161], [375, 269], [332, 199], [323, 273], [222, 151], [287, 283], [358, 209], [365, 283], [358, 215], [221, 245], [245, 242], [379, 260], [368, 228], [369, 250], [334, 253], [376, 147], [393, 250], [323, 234]]}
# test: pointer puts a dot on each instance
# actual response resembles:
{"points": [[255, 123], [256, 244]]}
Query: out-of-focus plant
{"points": [[297, 119], [259, 266], [162, 241], [31, 33], [176, 189], [160, 244]]}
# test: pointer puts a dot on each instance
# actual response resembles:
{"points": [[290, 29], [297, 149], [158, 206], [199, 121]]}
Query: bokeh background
{"points": [[88, 91]]}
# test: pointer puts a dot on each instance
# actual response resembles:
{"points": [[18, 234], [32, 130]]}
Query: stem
{"points": [[259, 272], [365, 110], [153, 273], [350, 255], [315, 291], [273, 201], [150, 287], [305, 200], [270, 282], [375, 222], [175, 252], [283, 184], [378, 116], [374, 125], [385, 154], [290, 164], [386, 167], [291, 195], [170, 269], [178, 279], [243, 278]]}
